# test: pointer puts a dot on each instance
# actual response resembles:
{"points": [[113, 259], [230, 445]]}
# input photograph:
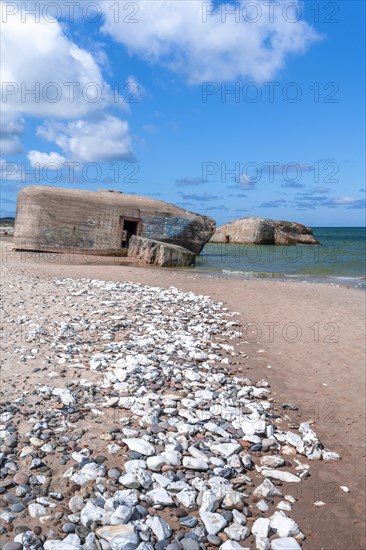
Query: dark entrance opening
{"points": [[129, 229]]}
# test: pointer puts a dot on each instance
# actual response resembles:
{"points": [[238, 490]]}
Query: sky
{"points": [[228, 109]]}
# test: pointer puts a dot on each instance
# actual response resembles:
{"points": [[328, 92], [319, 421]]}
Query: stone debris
{"points": [[159, 446], [159, 253]]}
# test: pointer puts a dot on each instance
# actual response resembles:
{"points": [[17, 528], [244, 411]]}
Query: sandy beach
{"points": [[305, 339]]}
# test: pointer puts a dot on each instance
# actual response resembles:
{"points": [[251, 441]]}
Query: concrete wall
{"points": [[56, 220]]}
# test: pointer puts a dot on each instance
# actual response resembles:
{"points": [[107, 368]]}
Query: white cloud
{"points": [[246, 182], [38, 56], [46, 75], [176, 34], [103, 141], [10, 145], [344, 200], [38, 159], [10, 141], [9, 171]]}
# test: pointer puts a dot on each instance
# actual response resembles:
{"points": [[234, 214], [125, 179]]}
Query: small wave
{"points": [[359, 281]]}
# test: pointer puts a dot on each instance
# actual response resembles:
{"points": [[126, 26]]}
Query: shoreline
{"points": [[321, 368], [75, 258]]}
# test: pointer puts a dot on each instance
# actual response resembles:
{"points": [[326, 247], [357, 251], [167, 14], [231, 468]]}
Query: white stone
{"points": [[89, 472], [65, 396], [253, 427], [272, 461], [119, 536], [162, 480], [121, 515], [284, 505], [177, 486], [91, 512], [267, 490], [133, 465], [232, 545], [194, 463], [283, 526], [237, 532], [172, 457], [143, 477], [210, 500], [262, 544], [71, 542], [260, 528], [239, 518], [155, 463], [159, 496], [330, 455], [139, 446], [196, 453], [285, 543], [36, 510], [225, 449], [233, 500], [282, 476], [192, 375], [262, 505], [129, 480], [293, 439], [76, 503], [159, 527], [213, 523], [187, 498]]}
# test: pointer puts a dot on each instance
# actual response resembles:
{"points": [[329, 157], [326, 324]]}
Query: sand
{"points": [[312, 337]]}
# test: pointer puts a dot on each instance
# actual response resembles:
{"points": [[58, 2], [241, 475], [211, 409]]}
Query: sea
{"points": [[341, 258]]}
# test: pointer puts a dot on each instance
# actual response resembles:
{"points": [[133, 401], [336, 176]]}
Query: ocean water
{"points": [[340, 258]]}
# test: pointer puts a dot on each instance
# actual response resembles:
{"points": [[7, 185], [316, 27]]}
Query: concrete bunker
{"points": [[52, 219]]}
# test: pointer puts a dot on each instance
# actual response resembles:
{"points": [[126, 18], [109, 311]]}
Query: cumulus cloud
{"points": [[44, 73], [38, 159], [102, 141], [245, 182], [344, 200], [179, 35]]}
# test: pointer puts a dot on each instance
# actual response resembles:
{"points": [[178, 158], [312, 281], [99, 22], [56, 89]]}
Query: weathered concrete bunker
{"points": [[54, 219]]}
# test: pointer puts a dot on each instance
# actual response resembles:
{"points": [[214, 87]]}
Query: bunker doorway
{"points": [[129, 228]]}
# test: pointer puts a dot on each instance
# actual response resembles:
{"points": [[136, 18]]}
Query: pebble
{"points": [[69, 528], [214, 539], [36, 510], [159, 527], [20, 478], [189, 521], [285, 543], [194, 464], [213, 523], [261, 528]]}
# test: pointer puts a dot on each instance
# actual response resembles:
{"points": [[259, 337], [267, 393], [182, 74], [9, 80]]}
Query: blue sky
{"points": [[135, 96]]}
